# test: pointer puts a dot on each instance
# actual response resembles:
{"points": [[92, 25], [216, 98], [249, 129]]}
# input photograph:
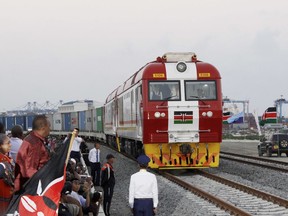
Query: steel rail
{"points": [[281, 169], [263, 195], [256, 158], [211, 198]]}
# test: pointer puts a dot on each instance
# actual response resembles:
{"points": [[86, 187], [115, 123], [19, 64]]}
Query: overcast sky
{"points": [[68, 50]]}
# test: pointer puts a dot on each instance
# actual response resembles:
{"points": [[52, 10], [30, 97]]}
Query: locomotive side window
{"points": [[164, 91], [204, 90]]}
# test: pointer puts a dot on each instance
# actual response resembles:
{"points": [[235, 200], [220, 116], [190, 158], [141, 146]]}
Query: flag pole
{"points": [[70, 145]]}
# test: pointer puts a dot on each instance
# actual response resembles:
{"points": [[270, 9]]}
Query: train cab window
{"points": [[203, 90], [164, 91]]}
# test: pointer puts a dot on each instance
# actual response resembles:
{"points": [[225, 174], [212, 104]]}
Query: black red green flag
{"points": [[226, 116], [41, 193], [183, 117], [269, 116]]}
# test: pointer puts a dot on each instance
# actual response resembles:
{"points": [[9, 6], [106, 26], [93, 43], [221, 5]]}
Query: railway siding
{"points": [[260, 194], [243, 200]]}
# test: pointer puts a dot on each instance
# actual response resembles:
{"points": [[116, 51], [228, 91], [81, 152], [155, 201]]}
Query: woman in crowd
{"points": [[6, 173]]}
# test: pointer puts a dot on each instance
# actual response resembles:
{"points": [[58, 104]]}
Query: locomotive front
{"points": [[182, 112]]}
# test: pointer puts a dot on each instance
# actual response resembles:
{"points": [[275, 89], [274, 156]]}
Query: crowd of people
{"points": [[22, 156]]}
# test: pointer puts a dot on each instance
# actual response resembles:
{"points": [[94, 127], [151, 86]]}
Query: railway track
{"points": [[200, 193], [235, 198], [256, 161], [203, 194]]}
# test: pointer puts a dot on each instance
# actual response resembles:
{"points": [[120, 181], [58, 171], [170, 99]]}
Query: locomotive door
{"points": [[139, 110], [115, 116]]}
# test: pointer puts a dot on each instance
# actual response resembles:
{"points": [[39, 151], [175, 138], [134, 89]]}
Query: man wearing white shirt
{"points": [[75, 150], [94, 158], [143, 190]]}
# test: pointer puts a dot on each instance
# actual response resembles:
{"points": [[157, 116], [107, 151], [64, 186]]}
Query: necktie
{"points": [[96, 155]]}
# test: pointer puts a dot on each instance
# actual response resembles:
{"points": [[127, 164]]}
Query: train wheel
{"points": [[107, 140], [127, 146], [122, 144], [114, 142], [133, 148], [140, 149]]}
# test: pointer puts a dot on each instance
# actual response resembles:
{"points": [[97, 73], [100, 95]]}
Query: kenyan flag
{"points": [[225, 117], [183, 117], [269, 116]]}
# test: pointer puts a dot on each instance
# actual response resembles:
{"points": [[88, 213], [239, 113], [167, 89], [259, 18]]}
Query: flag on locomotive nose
{"points": [[269, 116], [41, 193], [183, 117]]}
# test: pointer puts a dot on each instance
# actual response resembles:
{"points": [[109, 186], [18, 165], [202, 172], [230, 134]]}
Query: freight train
{"points": [[171, 109]]}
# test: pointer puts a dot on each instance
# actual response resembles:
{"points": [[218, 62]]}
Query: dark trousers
{"points": [[143, 207], [95, 173], [108, 193], [76, 155]]}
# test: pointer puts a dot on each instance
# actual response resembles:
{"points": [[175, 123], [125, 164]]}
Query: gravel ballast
{"points": [[263, 179], [173, 200]]}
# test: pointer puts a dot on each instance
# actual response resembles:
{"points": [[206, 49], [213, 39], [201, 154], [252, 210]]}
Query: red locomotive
{"points": [[171, 109]]}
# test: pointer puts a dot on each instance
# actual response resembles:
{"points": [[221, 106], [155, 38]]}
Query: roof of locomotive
{"points": [[147, 71]]}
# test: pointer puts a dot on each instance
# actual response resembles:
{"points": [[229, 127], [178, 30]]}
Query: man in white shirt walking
{"points": [[143, 190], [94, 158], [75, 150]]}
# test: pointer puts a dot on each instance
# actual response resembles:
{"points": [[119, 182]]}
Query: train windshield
{"points": [[164, 91], [203, 90]]}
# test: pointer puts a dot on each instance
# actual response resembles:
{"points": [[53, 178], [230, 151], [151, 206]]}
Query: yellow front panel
{"points": [[204, 155]]}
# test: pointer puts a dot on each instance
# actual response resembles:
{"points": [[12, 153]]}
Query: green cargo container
{"points": [[99, 119]]}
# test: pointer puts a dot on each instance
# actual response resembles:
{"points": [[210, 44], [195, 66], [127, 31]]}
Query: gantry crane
{"points": [[278, 104]]}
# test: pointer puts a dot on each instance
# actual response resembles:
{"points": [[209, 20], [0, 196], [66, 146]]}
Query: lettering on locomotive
{"points": [[204, 75], [158, 75]]}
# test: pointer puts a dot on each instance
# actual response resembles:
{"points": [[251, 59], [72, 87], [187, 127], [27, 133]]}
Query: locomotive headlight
{"points": [[163, 115], [204, 114], [157, 114], [181, 67], [196, 136], [209, 114]]}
